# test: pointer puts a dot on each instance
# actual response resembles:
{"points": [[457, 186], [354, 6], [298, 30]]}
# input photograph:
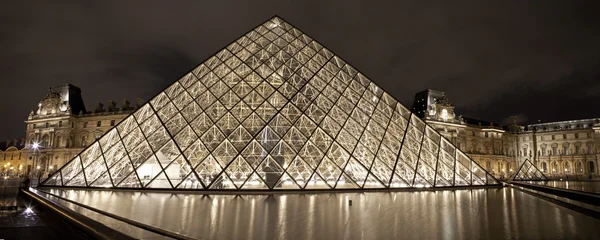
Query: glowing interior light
{"points": [[28, 210], [35, 145]]}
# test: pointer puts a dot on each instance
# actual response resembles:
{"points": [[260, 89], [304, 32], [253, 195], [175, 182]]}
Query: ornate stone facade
{"points": [[61, 127], [568, 149]]}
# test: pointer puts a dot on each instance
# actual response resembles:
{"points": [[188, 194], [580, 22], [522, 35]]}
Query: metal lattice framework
{"points": [[529, 172], [273, 110]]}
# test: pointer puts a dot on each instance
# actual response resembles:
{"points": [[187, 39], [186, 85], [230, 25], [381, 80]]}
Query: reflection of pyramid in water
{"points": [[529, 172], [273, 110]]}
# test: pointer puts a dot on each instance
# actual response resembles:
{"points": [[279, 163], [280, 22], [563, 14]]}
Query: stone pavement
{"points": [[19, 219]]}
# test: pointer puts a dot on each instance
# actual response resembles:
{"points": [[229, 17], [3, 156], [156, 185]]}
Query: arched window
{"points": [[45, 140], [591, 167], [578, 167], [554, 167], [544, 167], [83, 141], [567, 167]]}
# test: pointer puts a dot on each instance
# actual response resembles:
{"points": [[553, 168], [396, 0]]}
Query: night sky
{"points": [[539, 60]]}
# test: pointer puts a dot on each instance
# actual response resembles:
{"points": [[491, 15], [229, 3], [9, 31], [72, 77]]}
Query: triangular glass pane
{"points": [[420, 181], [239, 171], [373, 182], [317, 182], [120, 170], [462, 173], [491, 179], [223, 182], [55, 180], [178, 170], [295, 139], [381, 171], [69, 171], [329, 171], [212, 138], [311, 154], [95, 169], [299, 171], [77, 181], [346, 182], [254, 182], [208, 170], [185, 138], [190, 182], [286, 182], [167, 153], [196, 153], [114, 154], [270, 171], [224, 153], [131, 181], [283, 154], [445, 175], [102, 181], [405, 172], [267, 138], [425, 175], [148, 170], [398, 182], [356, 171], [254, 153], [160, 181], [239, 138], [253, 124]]}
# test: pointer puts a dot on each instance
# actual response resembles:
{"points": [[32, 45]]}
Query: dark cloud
{"points": [[537, 59]]}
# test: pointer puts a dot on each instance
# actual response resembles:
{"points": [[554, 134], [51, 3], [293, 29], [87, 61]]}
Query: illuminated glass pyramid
{"points": [[529, 172], [273, 110]]}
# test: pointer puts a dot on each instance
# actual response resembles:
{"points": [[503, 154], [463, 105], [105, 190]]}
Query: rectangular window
{"points": [[564, 136], [72, 124], [34, 125], [486, 134], [576, 135], [84, 124], [47, 124], [59, 123], [99, 123], [112, 122], [553, 137]]}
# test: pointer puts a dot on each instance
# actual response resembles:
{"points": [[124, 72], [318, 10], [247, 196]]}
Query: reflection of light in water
{"points": [[282, 216]]}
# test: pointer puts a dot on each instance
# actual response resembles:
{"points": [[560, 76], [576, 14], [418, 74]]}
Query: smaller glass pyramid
{"points": [[529, 172], [273, 110]]}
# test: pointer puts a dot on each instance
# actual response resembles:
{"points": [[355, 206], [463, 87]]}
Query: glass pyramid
{"points": [[529, 172], [273, 110]]}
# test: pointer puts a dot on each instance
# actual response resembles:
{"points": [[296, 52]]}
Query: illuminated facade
{"points": [[568, 149], [273, 110], [13, 158], [61, 127]]}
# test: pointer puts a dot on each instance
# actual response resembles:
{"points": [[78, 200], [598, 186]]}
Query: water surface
{"points": [[496, 213]]}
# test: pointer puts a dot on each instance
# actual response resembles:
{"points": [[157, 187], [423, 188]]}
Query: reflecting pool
{"points": [[495, 213]]}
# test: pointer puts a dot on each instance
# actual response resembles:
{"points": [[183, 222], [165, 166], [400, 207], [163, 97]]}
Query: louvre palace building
{"points": [[276, 107]]}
